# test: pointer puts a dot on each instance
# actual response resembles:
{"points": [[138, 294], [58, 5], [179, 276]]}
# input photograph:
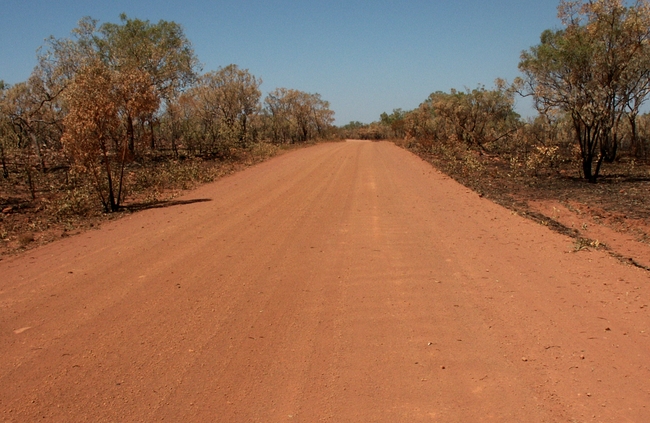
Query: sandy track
{"points": [[347, 282]]}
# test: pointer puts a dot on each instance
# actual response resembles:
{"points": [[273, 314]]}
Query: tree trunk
{"points": [[591, 174], [174, 133], [152, 136], [588, 137], [130, 133], [243, 136], [30, 180], [112, 205], [37, 149], [609, 148], [5, 170], [635, 145], [119, 190], [597, 171]]}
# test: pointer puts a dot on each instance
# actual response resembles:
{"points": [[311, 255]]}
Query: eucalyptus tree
{"points": [[31, 127], [160, 51], [5, 130], [395, 121], [94, 133], [105, 78], [478, 118], [296, 116], [595, 69], [228, 99]]}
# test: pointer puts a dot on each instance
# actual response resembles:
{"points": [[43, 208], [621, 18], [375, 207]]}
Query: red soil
{"points": [[347, 282]]}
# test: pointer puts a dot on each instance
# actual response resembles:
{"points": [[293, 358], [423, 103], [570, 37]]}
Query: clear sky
{"points": [[364, 57]]}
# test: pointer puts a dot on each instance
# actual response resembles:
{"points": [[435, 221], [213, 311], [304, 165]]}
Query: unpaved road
{"points": [[346, 282]]}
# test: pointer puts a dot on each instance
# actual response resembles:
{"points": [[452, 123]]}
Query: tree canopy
{"points": [[114, 95], [596, 69]]}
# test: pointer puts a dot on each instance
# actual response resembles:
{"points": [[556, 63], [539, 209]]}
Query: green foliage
{"points": [[374, 131], [395, 121], [353, 125], [478, 118], [596, 70], [161, 49], [226, 103], [76, 200]]}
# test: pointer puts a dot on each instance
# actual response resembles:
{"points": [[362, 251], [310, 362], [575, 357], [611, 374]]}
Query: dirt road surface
{"points": [[346, 282]]}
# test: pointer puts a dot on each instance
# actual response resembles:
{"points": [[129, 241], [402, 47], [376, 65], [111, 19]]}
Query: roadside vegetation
{"points": [[589, 146], [588, 81], [119, 117]]}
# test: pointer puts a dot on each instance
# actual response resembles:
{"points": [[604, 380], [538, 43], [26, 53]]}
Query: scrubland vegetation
{"points": [[588, 82], [589, 145], [119, 115], [588, 148]]}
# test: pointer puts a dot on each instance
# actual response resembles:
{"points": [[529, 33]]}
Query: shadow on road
{"points": [[161, 204]]}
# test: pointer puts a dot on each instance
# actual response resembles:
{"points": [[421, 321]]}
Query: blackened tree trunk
{"points": [[130, 134]]}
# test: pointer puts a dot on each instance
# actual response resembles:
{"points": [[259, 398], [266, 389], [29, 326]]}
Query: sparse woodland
{"points": [[588, 80], [121, 112], [118, 115], [587, 151]]}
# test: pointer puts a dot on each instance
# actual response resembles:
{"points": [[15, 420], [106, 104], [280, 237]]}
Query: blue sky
{"points": [[364, 57]]}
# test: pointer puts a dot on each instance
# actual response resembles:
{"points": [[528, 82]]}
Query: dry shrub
{"points": [[263, 150], [25, 238], [76, 201], [155, 177], [542, 157]]}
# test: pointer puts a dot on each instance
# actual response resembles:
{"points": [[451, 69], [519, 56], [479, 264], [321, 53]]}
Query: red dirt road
{"points": [[346, 282]]}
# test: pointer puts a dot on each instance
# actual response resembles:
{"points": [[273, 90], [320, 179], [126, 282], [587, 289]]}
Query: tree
{"points": [[94, 134], [596, 70], [420, 125], [5, 129], [33, 116], [395, 121], [161, 51], [642, 147], [296, 116], [279, 116], [31, 128], [477, 118], [183, 123], [354, 124], [228, 99]]}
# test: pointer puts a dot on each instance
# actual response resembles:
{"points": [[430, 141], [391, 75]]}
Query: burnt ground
{"points": [[57, 211], [612, 214]]}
